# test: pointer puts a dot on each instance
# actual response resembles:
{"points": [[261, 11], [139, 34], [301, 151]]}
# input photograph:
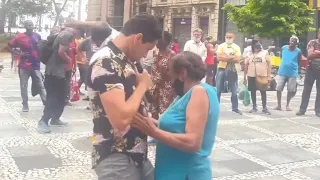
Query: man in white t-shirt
{"points": [[196, 46]]}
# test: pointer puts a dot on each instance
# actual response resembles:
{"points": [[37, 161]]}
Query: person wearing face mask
{"points": [[288, 71], [186, 130], [229, 55], [257, 63], [196, 46]]}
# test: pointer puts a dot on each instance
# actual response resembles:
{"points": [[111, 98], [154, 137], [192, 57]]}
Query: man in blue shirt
{"points": [[288, 71]]}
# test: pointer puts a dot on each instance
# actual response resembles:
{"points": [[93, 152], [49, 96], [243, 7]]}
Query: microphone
{"points": [[140, 70]]}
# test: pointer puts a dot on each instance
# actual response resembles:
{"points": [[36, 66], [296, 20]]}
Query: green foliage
{"points": [[271, 18], [29, 7]]}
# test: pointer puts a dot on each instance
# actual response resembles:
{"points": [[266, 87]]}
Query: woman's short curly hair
{"points": [[196, 69]]}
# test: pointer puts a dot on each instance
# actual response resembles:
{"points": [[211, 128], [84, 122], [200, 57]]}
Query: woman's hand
{"points": [[245, 80], [269, 79], [144, 124]]}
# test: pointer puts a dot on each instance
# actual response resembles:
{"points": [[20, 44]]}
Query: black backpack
{"points": [[46, 48]]}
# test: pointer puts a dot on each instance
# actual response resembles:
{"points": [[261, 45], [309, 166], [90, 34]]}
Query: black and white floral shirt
{"points": [[109, 69]]}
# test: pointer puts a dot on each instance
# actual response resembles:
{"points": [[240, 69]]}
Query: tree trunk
{"points": [[58, 11], [2, 20]]}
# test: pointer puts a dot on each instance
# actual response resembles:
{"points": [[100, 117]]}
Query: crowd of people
{"points": [[174, 100]]}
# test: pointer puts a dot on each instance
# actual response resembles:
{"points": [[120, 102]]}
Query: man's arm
{"points": [[64, 43], [107, 81], [312, 53], [12, 45], [237, 55], [222, 56]]}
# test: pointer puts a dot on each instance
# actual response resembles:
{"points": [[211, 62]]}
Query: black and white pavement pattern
{"points": [[252, 146]]}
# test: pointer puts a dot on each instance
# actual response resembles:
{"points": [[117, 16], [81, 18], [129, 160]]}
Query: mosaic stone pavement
{"points": [[253, 146]]}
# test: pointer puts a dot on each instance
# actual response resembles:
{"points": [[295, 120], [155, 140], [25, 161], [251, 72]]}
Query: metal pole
{"points": [[79, 9]]}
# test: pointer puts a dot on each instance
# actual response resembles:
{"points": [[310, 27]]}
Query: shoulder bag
{"points": [[262, 82]]}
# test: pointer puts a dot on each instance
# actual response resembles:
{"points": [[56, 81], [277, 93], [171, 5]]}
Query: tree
{"points": [[271, 18], [9, 8], [58, 10]]}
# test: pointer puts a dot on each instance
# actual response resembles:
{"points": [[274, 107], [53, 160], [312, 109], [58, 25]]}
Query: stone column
{"points": [[127, 10], [195, 20], [214, 22], [110, 8], [168, 21], [104, 10]]}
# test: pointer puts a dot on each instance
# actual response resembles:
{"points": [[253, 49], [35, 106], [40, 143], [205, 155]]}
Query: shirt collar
{"points": [[200, 43], [117, 51]]}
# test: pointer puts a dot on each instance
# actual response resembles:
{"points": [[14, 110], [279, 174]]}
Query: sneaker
{"points": [[253, 110], [58, 123], [86, 98], [237, 111], [266, 111], [43, 127], [88, 108], [300, 113], [25, 109]]}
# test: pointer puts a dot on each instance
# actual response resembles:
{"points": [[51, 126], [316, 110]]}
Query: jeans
{"points": [[233, 85], [24, 76], [55, 98], [67, 86], [311, 76], [121, 167]]}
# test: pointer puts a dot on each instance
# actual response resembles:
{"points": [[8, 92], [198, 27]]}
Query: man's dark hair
{"points": [[190, 61], [165, 41], [100, 32], [145, 24]]}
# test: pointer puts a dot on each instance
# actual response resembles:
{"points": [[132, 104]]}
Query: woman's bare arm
{"points": [[196, 119]]}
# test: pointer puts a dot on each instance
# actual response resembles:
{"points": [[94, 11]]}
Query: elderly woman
{"points": [[187, 129]]}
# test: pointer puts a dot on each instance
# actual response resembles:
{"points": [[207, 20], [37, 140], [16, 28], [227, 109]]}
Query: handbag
{"points": [[74, 89], [262, 82]]}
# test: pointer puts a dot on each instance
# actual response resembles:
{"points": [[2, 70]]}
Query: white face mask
{"points": [[229, 41]]}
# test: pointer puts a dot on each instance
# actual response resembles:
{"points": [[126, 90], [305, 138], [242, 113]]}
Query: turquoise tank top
{"points": [[174, 164]]}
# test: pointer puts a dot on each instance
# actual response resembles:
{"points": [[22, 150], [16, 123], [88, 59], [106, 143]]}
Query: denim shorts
{"points": [[290, 81]]}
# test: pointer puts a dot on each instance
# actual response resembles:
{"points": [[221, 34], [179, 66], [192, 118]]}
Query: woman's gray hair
{"points": [[294, 37]]}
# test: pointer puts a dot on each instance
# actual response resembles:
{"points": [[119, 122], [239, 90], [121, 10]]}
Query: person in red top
{"points": [[175, 47], [71, 67], [211, 63]]}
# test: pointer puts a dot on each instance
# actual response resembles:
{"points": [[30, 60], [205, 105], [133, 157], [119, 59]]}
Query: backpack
{"points": [[46, 49]]}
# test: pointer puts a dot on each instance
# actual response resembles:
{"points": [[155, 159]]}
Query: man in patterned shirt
{"points": [[312, 75], [116, 93], [29, 65]]}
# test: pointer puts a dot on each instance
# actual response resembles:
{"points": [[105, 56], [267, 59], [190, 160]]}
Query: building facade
{"points": [[115, 12], [181, 17]]}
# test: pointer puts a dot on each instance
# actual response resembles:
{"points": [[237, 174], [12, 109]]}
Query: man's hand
{"points": [[24, 54], [144, 80]]}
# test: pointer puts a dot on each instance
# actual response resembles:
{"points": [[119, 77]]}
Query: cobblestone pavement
{"points": [[253, 146]]}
